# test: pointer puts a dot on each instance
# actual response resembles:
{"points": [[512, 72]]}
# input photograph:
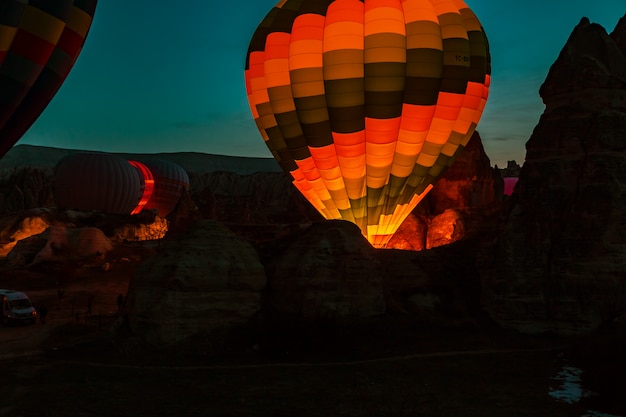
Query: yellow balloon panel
{"points": [[365, 103]]}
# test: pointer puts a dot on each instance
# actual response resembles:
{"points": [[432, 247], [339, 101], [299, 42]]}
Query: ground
{"points": [[69, 366]]}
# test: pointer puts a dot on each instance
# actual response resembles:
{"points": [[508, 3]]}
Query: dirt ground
{"points": [[69, 366]]}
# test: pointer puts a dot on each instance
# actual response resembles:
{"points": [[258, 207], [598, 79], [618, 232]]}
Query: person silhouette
{"points": [[43, 312]]}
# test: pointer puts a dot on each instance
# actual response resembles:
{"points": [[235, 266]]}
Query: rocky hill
{"points": [[45, 158], [560, 260]]}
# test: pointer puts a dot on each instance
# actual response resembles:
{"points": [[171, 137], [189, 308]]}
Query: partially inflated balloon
{"points": [[366, 103], [98, 182], [93, 181], [39, 43], [170, 180]]}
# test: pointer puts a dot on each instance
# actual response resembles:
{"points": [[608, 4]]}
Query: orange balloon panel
{"points": [[366, 103]]}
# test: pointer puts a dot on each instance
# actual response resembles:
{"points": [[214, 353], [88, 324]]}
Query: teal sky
{"points": [[157, 76]]}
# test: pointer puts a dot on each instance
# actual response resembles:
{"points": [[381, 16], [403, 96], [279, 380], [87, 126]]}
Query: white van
{"points": [[16, 307]]}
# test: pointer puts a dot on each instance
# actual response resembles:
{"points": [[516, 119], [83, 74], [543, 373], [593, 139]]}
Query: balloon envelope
{"points": [[366, 103], [39, 42], [97, 182], [170, 179], [509, 185]]}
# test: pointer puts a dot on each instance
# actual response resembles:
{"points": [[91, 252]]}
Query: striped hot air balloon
{"points": [[366, 102], [39, 42]]}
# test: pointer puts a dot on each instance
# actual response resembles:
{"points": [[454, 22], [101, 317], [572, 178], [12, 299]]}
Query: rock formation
{"points": [[79, 246], [328, 275], [559, 263], [76, 244], [25, 188], [195, 289], [470, 191]]}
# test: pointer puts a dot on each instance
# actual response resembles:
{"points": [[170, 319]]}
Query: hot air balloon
{"points": [[170, 180], [366, 103], [97, 182], [39, 42], [147, 180], [509, 185]]}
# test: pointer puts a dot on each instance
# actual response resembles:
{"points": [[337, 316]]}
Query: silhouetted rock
{"points": [[260, 198], [329, 275], [438, 286], [195, 289], [25, 188], [559, 263], [590, 70]]}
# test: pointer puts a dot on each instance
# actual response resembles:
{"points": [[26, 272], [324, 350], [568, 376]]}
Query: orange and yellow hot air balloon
{"points": [[366, 102]]}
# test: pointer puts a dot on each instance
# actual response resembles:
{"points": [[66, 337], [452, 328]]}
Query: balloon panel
{"points": [[367, 103]]}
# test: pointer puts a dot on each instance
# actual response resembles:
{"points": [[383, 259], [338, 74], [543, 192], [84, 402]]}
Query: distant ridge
{"points": [[43, 157]]}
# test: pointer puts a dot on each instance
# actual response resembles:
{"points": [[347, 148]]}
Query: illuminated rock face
{"points": [[446, 228], [27, 227], [25, 188], [411, 235], [37, 242], [140, 232], [459, 206], [559, 264]]}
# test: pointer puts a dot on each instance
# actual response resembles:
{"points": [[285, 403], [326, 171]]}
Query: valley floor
{"points": [[70, 366]]}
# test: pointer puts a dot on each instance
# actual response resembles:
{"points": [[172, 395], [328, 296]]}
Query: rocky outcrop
{"points": [[469, 184], [329, 276], [79, 246], [559, 263], [260, 198], [470, 189], [446, 228], [25, 188], [85, 244], [18, 227], [590, 71], [195, 289]]}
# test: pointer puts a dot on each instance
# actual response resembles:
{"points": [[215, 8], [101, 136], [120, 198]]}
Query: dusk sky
{"points": [[159, 76]]}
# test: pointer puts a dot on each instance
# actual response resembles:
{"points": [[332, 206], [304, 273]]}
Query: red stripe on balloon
{"points": [[32, 47], [70, 42]]}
